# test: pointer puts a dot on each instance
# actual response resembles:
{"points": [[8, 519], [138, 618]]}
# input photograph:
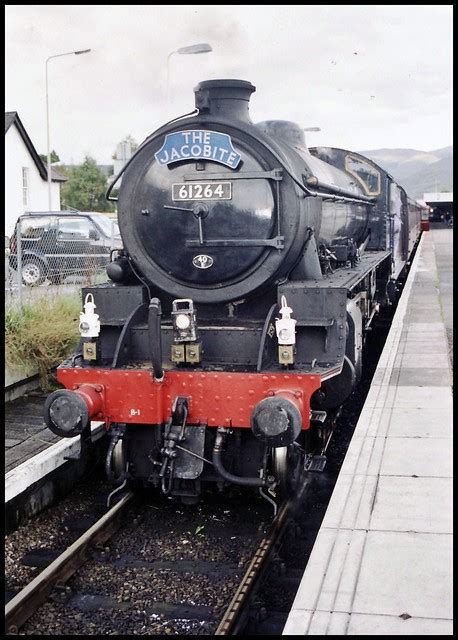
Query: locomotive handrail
{"points": [[278, 242], [275, 174], [333, 188], [330, 196]]}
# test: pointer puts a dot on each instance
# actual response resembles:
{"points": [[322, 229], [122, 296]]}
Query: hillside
{"points": [[417, 171]]}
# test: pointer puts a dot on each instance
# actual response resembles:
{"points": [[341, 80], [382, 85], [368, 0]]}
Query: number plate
{"points": [[202, 191]]}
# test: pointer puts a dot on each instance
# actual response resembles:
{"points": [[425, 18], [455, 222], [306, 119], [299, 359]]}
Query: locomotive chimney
{"points": [[224, 98]]}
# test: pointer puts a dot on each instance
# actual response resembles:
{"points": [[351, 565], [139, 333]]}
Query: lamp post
{"points": [[194, 48], [48, 165]]}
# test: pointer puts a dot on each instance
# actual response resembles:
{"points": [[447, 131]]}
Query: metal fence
{"points": [[53, 254]]}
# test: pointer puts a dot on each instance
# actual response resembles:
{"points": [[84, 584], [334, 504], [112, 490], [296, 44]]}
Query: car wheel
{"points": [[33, 272]]}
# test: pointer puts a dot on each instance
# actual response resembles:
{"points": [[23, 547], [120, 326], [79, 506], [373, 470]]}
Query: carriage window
{"points": [[365, 173]]}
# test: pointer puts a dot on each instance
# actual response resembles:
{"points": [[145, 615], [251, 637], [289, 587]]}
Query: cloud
{"points": [[301, 59]]}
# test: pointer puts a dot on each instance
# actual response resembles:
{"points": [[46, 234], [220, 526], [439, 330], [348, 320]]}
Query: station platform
{"points": [[25, 431], [382, 561], [32, 451]]}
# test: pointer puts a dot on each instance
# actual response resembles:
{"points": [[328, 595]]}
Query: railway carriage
{"points": [[232, 328]]}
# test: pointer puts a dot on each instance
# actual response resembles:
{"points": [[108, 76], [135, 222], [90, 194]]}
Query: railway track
{"points": [[67, 579], [231, 619], [28, 600]]}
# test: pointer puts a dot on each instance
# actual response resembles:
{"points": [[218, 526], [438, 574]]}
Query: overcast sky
{"points": [[368, 76]]}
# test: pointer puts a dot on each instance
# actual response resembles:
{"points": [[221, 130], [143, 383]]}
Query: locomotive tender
{"points": [[232, 328]]}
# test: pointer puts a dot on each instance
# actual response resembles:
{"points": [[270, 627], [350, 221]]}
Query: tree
{"points": [[85, 188], [54, 157]]}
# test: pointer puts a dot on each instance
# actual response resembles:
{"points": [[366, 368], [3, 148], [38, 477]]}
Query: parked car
{"points": [[56, 244]]}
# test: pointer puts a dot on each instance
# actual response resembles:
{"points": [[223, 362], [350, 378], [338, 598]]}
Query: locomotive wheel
{"points": [[287, 468], [118, 460]]}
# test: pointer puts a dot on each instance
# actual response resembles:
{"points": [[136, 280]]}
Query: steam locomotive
{"points": [[231, 330]]}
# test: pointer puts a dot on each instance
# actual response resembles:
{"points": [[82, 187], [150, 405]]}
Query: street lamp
{"points": [[48, 164], [194, 48]]}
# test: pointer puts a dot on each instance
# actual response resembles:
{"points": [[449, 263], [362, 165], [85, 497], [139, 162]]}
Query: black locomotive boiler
{"points": [[232, 328]]}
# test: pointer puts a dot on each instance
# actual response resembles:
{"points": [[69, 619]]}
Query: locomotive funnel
{"points": [[224, 98]]}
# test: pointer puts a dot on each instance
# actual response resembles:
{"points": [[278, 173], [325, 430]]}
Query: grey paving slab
{"points": [[428, 360], [332, 571], [420, 297], [421, 376], [405, 573], [352, 502], [364, 457], [417, 423], [390, 503], [422, 345], [377, 421], [426, 327], [411, 504], [318, 623], [417, 456], [395, 625], [432, 317], [380, 397], [423, 397]]}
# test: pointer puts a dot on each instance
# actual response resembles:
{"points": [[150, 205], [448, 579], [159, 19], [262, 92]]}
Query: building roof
{"points": [[11, 117], [442, 196]]}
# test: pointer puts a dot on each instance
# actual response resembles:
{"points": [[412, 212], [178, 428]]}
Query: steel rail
{"points": [[232, 613], [26, 602]]}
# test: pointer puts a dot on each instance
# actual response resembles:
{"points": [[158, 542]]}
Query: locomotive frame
{"points": [[227, 359]]}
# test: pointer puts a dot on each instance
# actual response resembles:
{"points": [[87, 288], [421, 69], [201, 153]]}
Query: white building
{"points": [[124, 152], [26, 186]]}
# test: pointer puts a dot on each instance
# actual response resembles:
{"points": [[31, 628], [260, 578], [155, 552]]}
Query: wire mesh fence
{"points": [[50, 254]]}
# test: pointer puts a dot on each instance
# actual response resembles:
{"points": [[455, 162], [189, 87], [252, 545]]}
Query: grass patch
{"points": [[41, 334]]}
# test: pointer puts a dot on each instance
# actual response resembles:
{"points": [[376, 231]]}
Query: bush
{"points": [[41, 334]]}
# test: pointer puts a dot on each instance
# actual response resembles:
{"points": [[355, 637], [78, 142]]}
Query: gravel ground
{"points": [[54, 529], [171, 569]]}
